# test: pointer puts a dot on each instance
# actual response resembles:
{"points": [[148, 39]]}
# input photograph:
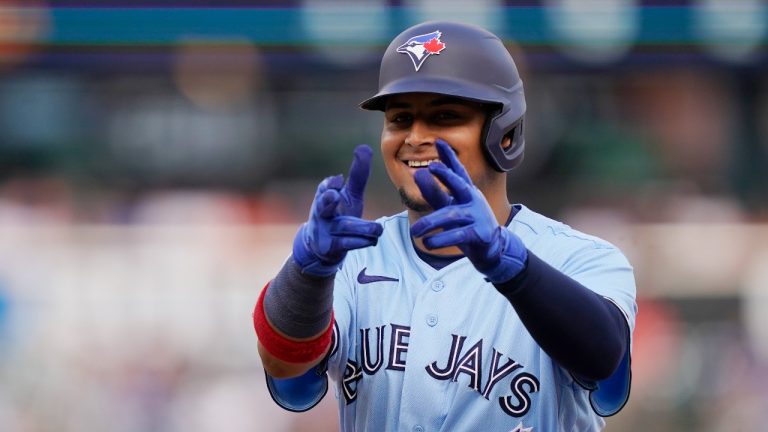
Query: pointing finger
{"points": [[460, 189], [359, 171], [445, 218], [352, 226], [430, 189], [449, 158], [454, 237]]}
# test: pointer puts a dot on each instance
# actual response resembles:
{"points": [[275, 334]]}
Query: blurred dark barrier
{"points": [[560, 33]]}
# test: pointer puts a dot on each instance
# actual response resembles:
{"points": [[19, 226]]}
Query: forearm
{"points": [[293, 320], [581, 330], [294, 315], [299, 305]]}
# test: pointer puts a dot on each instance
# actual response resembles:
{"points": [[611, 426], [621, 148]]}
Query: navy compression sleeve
{"points": [[297, 304], [581, 330]]}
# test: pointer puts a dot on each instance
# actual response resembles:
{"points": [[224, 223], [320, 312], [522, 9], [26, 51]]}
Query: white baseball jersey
{"points": [[420, 349]]}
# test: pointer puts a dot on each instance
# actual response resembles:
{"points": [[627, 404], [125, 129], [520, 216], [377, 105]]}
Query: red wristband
{"points": [[285, 349]]}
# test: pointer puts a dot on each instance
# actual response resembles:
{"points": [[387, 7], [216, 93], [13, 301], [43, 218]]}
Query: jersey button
{"points": [[418, 428], [438, 286], [432, 320]]}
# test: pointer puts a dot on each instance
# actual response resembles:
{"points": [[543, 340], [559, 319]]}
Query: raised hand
{"points": [[463, 218], [335, 225]]}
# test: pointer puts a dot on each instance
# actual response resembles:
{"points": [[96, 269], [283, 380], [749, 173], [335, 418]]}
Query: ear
{"points": [[506, 142]]}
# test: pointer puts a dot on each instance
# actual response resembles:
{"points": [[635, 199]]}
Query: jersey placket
{"points": [[424, 407]]}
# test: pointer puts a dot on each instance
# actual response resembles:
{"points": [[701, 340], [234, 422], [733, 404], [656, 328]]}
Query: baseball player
{"points": [[464, 312]]}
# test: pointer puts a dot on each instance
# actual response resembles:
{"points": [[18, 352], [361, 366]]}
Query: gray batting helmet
{"points": [[464, 61]]}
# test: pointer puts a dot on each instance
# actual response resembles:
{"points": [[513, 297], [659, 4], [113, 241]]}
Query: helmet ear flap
{"points": [[504, 158]]}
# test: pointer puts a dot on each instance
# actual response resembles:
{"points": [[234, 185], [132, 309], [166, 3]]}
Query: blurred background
{"points": [[156, 158]]}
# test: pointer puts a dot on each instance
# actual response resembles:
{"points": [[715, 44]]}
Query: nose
{"points": [[420, 134]]}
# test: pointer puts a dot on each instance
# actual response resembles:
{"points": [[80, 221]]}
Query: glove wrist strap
{"points": [[309, 263], [514, 257]]}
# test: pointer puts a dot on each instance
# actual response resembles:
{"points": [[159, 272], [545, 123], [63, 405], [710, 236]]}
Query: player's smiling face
{"points": [[412, 124]]}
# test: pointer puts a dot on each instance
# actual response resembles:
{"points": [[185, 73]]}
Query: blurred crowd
{"points": [[148, 189]]}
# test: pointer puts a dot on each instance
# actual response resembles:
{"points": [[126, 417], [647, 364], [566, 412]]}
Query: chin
{"points": [[417, 204]]}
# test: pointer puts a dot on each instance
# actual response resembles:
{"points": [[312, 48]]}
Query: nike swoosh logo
{"points": [[363, 278]]}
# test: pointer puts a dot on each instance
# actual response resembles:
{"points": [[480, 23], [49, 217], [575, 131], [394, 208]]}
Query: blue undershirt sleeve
{"points": [[584, 332], [300, 393]]}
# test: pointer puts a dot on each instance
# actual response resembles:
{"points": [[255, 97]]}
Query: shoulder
{"points": [[564, 247], [529, 224], [595, 263]]}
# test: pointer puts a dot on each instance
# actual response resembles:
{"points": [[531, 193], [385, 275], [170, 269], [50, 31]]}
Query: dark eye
{"points": [[400, 118], [446, 116]]}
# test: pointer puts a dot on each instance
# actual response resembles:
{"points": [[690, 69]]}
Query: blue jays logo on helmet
{"points": [[420, 47]]}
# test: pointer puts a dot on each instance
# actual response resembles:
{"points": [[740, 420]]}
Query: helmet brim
{"points": [[425, 84]]}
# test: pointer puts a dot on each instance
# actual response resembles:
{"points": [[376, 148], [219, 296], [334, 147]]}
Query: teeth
{"points": [[419, 164]]}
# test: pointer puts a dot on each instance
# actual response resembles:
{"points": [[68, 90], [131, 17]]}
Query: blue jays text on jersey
{"points": [[416, 348], [388, 348]]}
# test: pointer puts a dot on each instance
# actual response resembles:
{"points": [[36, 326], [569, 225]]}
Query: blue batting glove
{"points": [[335, 223], [463, 218]]}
